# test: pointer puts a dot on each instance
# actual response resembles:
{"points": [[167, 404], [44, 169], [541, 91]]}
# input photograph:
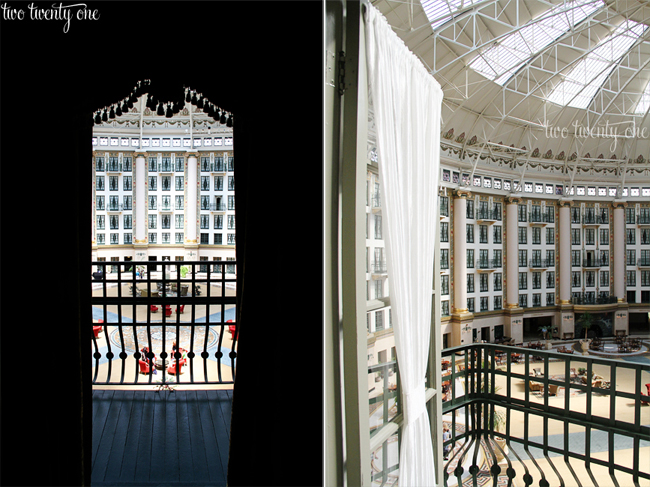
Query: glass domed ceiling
{"points": [[560, 86]]}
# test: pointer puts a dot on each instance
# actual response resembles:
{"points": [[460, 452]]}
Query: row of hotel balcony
{"points": [[205, 207]]}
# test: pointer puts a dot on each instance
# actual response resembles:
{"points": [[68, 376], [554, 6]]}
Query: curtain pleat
{"points": [[406, 102]]}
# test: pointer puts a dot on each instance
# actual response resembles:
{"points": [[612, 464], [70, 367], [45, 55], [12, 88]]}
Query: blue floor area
{"points": [[229, 314], [599, 443], [640, 359]]}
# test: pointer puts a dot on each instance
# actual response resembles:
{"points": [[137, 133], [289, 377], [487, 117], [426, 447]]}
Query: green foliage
{"points": [[586, 320], [184, 271]]}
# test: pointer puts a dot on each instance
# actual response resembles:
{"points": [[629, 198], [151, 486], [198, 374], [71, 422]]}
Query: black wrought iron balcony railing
{"points": [[162, 323], [547, 417], [541, 218], [541, 263], [593, 219], [488, 215], [643, 262], [379, 267], [593, 262], [488, 264], [522, 416], [589, 299]]}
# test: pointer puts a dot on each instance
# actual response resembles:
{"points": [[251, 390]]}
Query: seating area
{"points": [[564, 349]]}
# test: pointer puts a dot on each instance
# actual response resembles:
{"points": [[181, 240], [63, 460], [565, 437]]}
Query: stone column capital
{"points": [[192, 153], [141, 153], [513, 199], [619, 204], [462, 193], [564, 203]]}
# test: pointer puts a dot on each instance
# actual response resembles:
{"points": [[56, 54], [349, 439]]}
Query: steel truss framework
{"points": [[609, 140]]}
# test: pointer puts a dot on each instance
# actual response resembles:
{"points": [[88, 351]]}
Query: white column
{"points": [[512, 253], [191, 196], [619, 251], [460, 251], [564, 240], [141, 204]]}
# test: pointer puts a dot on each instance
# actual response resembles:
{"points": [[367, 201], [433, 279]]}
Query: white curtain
{"points": [[406, 101]]}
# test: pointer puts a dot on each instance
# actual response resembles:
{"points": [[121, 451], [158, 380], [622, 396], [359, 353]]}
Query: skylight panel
{"points": [[588, 75], [438, 11], [644, 102], [503, 59]]}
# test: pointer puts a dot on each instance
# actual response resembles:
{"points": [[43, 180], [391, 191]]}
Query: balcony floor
{"points": [[145, 438]]}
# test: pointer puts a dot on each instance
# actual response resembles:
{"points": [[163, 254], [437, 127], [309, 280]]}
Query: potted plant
{"points": [[586, 320], [184, 271]]}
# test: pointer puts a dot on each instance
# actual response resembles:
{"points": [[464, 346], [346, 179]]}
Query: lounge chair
{"points": [[535, 386]]}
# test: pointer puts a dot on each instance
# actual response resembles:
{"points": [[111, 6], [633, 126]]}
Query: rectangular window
{"points": [[100, 202], [218, 183], [128, 222], [444, 206], [469, 211], [99, 183], [575, 258], [179, 237], [231, 222], [179, 221], [575, 214], [575, 236], [604, 236], [166, 182], [590, 236], [231, 240], [550, 258], [590, 279], [231, 183], [631, 257], [205, 183], [444, 285], [523, 258], [645, 257], [153, 182], [470, 258], [470, 305], [629, 216], [112, 183], [205, 221], [444, 258], [550, 236], [179, 202], [537, 258], [537, 235], [484, 283], [445, 308], [153, 164], [521, 213], [484, 303], [497, 260], [523, 280], [537, 300], [114, 222], [218, 239], [218, 222], [179, 183], [469, 233], [100, 222], [205, 238], [575, 278], [645, 278], [179, 164], [631, 278], [550, 299], [498, 280], [645, 236], [483, 236], [153, 238], [604, 278], [496, 235], [99, 164], [379, 320], [444, 231], [205, 202], [483, 259], [537, 280], [550, 280], [523, 301], [113, 203], [523, 234], [152, 222], [630, 234], [231, 202], [497, 302], [378, 234], [128, 202]]}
